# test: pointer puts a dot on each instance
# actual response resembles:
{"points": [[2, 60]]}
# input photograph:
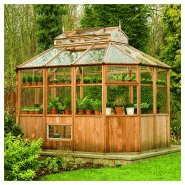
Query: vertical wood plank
{"points": [[104, 98], [168, 131]]}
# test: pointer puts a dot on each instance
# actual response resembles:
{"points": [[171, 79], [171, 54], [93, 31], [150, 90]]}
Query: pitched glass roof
{"points": [[116, 56], [93, 51], [65, 58], [42, 59], [92, 56]]}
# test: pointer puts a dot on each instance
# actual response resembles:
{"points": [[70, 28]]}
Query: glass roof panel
{"points": [[135, 55], [65, 58], [116, 56], [43, 59], [93, 56], [123, 38]]}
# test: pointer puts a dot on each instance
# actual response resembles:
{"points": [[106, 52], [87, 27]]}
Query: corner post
{"points": [[18, 95], [73, 105], [138, 106], [168, 91], [45, 95], [168, 109], [104, 98], [154, 102]]}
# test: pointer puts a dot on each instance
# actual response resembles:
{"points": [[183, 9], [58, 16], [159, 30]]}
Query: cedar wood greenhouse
{"points": [[93, 92]]}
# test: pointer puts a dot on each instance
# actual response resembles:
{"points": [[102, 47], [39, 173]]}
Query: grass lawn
{"points": [[163, 168]]}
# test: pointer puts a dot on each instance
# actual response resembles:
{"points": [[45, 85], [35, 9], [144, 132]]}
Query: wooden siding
{"points": [[58, 144], [122, 134], [162, 131], [88, 134], [32, 127], [154, 135], [147, 132]]}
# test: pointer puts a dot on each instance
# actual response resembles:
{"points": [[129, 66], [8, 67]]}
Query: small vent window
{"points": [[59, 132]]}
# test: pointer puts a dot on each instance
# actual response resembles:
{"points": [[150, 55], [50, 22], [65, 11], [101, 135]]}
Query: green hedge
{"points": [[20, 157]]}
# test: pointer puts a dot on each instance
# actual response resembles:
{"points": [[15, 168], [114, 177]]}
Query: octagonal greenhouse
{"points": [[94, 92]]}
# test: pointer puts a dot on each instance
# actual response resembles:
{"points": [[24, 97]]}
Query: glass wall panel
{"points": [[31, 91], [121, 74], [161, 91], [59, 76], [89, 75], [119, 98], [59, 100], [31, 77], [89, 100], [32, 100], [146, 99], [146, 75]]}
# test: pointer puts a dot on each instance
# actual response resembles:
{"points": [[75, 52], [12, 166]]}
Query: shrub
{"points": [[10, 126], [20, 157]]}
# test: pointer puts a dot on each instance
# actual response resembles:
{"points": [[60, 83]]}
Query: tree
{"points": [[19, 45], [72, 16], [133, 20], [156, 30], [49, 24], [171, 54]]}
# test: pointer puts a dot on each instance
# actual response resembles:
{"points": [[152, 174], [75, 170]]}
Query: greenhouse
{"points": [[94, 92]]}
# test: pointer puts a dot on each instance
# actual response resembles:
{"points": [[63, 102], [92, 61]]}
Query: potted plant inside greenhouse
{"points": [[87, 80], [61, 81], [35, 80], [118, 104], [29, 80], [55, 81], [127, 78], [53, 105], [41, 109], [108, 108], [77, 80], [145, 108], [24, 80], [40, 80], [68, 81], [80, 106], [129, 108], [97, 106], [67, 104], [88, 105]]}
